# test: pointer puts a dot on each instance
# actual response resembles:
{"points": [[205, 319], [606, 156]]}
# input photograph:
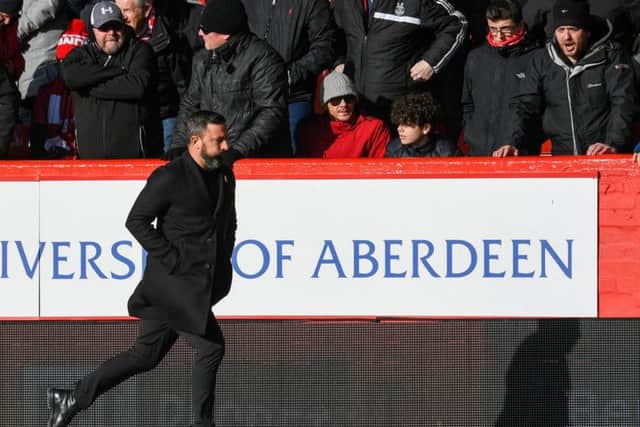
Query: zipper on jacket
{"points": [[267, 30], [573, 128]]}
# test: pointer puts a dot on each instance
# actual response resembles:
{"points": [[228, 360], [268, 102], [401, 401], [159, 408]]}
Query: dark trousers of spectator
{"points": [[155, 339]]}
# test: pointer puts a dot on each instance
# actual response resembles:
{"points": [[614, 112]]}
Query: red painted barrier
{"points": [[619, 196]]}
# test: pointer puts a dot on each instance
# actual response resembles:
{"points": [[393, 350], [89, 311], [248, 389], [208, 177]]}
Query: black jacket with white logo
{"points": [[590, 101]]}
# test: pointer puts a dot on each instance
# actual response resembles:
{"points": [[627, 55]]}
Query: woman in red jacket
{"points": [[342, 132]]}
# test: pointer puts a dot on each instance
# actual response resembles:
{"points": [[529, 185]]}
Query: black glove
{"points": [[230, 156], [174, 153]]}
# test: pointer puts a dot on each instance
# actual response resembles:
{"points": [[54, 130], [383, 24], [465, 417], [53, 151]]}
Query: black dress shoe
{"points": [[63, 406]]}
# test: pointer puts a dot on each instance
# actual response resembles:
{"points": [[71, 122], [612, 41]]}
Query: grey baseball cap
{"points": [[105, 12]]}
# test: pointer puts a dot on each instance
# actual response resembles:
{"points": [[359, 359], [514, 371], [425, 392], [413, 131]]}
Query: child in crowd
{"points": [[414, 115]]}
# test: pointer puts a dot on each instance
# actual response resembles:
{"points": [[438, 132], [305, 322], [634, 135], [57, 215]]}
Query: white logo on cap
{"points": [[564, 11], [104, 10]]}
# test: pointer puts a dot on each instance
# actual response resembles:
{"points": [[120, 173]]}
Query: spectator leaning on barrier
{"points": [[185, 219], [493, 74], [302, 31], [8, 110], [10, 49], [415, 114], [582, 85], [342, 132], [173, 62], [111, 81], [395, 47], [241, 77]]}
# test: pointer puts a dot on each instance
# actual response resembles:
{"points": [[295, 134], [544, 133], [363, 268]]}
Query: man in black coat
{"points": [[112, 81], [243, 78], [188, 271]]}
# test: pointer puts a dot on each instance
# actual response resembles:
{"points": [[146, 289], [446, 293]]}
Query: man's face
{"points": [[410, 134], [212, 40], [134, 15], [5, 19], [573, 41], [502, 29], [342, 108], [210, 144], [110, 37]]}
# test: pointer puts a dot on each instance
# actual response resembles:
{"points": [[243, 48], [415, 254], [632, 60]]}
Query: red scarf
{"points": [[511, 41]]}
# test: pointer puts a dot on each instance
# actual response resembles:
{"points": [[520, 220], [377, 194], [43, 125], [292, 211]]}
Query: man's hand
{"points": [[600, 148], [636, 158], [506, 151], [421, 71]]}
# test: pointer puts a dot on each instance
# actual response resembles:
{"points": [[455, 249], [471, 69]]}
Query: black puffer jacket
{"points": [[435, 146], [245, 80], [590, 101], [112, 96], [491, 77], [302, 32], [382, 49]]}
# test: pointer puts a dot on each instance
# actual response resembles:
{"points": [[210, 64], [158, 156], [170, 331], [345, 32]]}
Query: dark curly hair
{"points": [[504, 9], [414, 109]]}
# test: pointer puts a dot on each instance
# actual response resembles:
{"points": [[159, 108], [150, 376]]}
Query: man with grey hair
{"points": [[191, 201], [112, 81]]}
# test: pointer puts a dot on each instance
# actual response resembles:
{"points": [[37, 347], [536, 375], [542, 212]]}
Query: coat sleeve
{"points": [[450, 29], [152, 203], [526, 103], [269, 90], [321, 36], [378, 141], [467, 98], [190, 103], [621, 90], [35, 14], [8, 111], [80, 71], [132, 84]]}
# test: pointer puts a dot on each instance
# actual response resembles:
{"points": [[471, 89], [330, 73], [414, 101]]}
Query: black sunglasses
{"points": [[349, 99]]}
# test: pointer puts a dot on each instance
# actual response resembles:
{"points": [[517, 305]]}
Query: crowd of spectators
{"points": [[93, 79]]}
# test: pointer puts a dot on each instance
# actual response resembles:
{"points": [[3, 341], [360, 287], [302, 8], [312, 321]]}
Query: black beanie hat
{"points": [[571, 13], [224, 17]]}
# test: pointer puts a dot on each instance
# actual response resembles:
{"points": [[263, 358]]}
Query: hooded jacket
{"points": [[434, 146], [492, 76], [111, 97], [590, 101]]}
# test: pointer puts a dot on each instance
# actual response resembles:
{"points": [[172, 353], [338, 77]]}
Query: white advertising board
{"points": [[19, 249], [486, 247]]}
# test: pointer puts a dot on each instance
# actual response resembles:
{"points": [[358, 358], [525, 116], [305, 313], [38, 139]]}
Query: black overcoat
{"points": [[188, 266]]}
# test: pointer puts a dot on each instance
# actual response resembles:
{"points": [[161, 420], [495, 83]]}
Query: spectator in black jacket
{"points": [[111, 81], [415, 114], [493, 73], [241, 77], [581, 85], [302, 32], [8, 110], [172, 61], [395, 47]]}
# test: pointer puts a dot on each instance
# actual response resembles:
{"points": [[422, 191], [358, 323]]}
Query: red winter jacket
{"points": [[321, 137]]}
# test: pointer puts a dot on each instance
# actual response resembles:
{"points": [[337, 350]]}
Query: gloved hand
{"points": [[230, 156]]}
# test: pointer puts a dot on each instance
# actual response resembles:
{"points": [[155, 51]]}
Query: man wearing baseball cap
{"points": [[112, 81], [581, 85]]}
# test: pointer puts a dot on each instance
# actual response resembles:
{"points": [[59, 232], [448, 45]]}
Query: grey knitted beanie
{"points": [[335, 85]]}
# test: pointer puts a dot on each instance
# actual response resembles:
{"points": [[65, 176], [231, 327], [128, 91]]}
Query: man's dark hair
{"points": [[504, 9], [197, 122], [414, 109]]}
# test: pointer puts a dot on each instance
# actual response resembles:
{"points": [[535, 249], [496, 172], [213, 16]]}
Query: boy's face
{"points": [[410, 134]]}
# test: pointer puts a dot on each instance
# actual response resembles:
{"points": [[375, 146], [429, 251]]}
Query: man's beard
{"points": [[211, 163]]}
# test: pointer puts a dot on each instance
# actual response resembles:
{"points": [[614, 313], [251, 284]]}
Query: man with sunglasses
{"points": [[342, 132], [112, 82], [243, 78], [492, 75]]}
